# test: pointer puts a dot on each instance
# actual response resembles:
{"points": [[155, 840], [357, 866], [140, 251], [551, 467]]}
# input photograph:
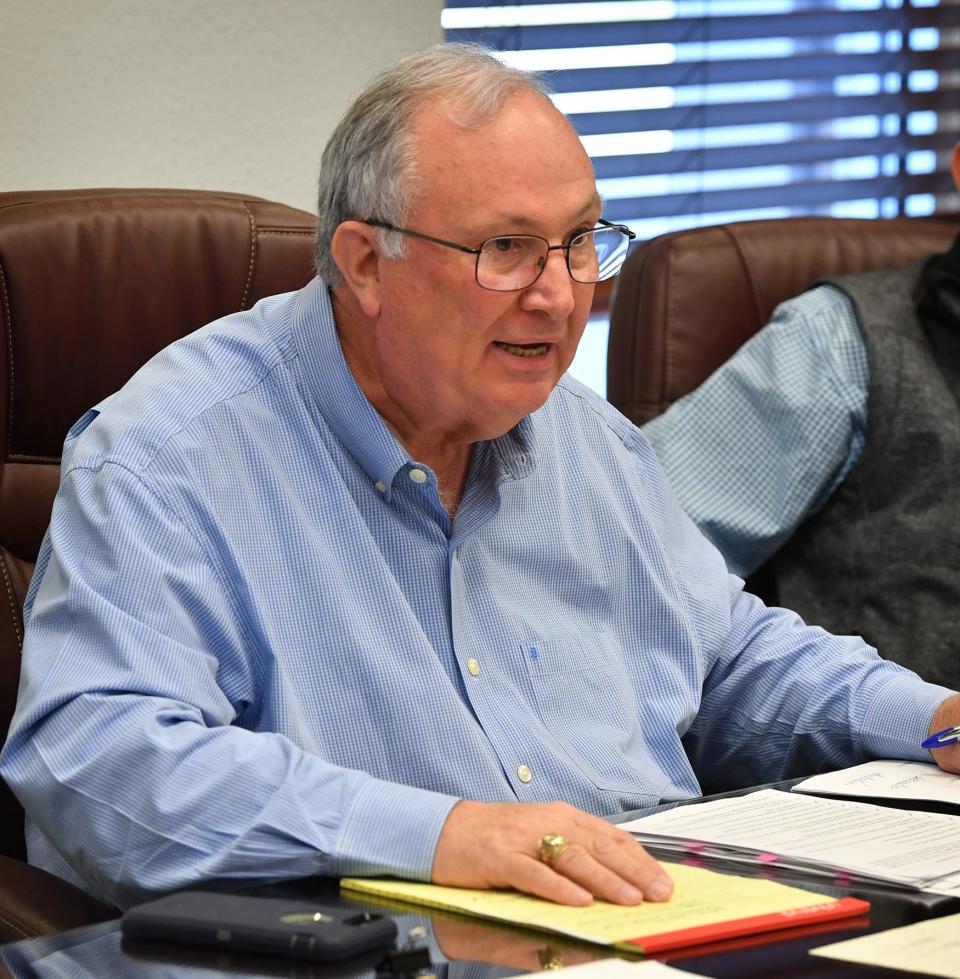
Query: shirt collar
{"points": [[516, 449], [350, 416], [337, 396]]}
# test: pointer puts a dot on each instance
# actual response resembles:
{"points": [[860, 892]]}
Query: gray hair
{"points": [[368, 168]]}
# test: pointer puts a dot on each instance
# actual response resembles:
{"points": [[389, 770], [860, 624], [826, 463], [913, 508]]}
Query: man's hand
{"points": [[489, 845], [947, 715]]}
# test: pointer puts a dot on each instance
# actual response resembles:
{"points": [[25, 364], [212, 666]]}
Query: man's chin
{"points": [[505, 414]]}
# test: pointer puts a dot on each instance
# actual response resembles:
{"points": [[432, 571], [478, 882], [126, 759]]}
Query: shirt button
{"points": [[524, 773], [473, 666], [379, 487], [418, 475]]}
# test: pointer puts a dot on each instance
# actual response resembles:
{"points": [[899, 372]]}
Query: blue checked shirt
{"points": [[257, 649], [767, 438]]}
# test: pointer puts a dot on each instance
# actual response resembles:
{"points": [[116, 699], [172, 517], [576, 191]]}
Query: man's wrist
{"points": [[899, 717], [946, 715], [391, 828]]}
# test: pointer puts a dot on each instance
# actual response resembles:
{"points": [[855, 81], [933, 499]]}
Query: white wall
{"points": [[235, 95]]}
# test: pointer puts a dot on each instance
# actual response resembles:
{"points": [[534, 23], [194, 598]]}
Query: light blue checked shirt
{"points": [[256, 648], [767, 438]]}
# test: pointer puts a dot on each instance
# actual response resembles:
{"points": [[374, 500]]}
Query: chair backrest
{"points": [[92, 284], [686, 301]]}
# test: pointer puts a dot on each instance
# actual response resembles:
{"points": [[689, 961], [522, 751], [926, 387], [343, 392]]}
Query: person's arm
{"points": [[130, 750], [129, 747], [783, 699], [774, 697], [766, 439]]}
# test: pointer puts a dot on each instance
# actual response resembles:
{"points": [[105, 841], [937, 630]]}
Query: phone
{"points": [[277, 926]]}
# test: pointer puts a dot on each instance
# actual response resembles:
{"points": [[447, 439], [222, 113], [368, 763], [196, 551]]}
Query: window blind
{"points": [[702, 111]]}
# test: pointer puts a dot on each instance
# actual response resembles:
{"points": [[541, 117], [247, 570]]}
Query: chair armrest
{"points": [[34, 902]]}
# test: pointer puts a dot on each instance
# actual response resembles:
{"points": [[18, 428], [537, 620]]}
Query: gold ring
{"points": [[551, 846]]}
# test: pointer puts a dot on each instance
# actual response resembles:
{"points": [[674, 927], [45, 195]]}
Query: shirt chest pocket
{"points": [[584, 696]]}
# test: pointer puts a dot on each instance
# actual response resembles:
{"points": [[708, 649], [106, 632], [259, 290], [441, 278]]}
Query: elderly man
{"points": [[358, 582]]}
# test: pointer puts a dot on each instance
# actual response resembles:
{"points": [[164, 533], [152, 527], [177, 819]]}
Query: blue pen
{"points": [[942, 738]]}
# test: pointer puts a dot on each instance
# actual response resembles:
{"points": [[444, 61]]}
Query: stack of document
{"points": [[848, 842]]}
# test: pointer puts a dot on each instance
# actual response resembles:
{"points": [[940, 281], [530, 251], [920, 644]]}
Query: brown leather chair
{"points": [[686, 301], [92, 284]]}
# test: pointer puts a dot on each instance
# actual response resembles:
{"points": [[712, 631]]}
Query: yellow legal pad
{"points": [[705, 907]]}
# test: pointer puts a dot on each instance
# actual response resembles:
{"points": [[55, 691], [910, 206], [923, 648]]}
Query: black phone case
{"points": [[298, 929]]}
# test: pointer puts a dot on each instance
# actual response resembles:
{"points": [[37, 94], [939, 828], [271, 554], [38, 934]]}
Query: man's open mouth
{"points": [[523, 349]]}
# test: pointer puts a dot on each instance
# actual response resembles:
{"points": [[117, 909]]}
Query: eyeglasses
{"points": [[507, 263]]}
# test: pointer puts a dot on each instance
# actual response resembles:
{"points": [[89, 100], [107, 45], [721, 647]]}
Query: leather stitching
{"points": [[25, 457], [752, 283], [6, 308], [253, 257], [15, 925], [11, 595]]}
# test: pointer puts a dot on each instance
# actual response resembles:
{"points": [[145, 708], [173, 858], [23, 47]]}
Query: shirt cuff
{"points": [[391, 828], [899, 718]]}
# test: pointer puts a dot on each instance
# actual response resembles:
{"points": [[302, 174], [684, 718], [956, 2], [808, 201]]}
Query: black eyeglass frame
{"points": [[478, 251]]}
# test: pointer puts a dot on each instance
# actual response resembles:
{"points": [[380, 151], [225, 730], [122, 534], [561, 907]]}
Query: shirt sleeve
{"points": [[776, 698], [132, 747], [783, 699], [767, 438]]}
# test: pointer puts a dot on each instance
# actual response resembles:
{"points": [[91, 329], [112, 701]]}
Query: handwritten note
{"points": [[929, 947], [887, 779]]}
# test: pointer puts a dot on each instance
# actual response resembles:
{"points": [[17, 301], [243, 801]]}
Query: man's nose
{"points": [[553, 290]]}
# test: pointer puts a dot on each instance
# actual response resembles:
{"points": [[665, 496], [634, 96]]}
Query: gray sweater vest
{"points": [[882, 558]]}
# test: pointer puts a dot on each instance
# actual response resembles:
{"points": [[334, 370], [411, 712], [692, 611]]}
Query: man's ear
{"points": [[955, 165], [354, 249]]}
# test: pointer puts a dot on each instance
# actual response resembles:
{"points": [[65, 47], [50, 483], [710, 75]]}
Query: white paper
{"points": [[914, 849], [886, 779], [931, 947]]}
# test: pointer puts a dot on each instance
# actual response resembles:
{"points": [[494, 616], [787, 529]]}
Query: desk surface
{"points": [[472, 949]]}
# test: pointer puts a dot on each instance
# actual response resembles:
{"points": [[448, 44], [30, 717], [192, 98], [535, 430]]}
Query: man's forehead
{"points": [[524, 152], [497, 130], [509, 217]]}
